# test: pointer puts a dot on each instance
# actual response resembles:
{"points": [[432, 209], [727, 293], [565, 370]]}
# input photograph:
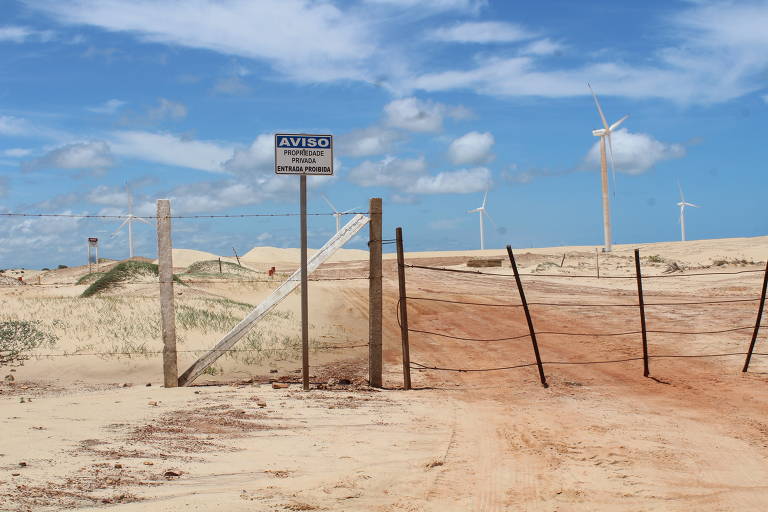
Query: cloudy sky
{"points": [[431, 103]]}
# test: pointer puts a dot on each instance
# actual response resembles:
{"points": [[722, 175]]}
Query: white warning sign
{"points": [[303, 154]]}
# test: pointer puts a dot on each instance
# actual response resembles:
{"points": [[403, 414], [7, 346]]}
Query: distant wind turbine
{"points": [[483, 213], [130, 218], [682, 204], [337, 213], [604, 133]]}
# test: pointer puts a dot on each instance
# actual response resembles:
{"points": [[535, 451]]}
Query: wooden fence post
{"points": [[527, 317], [165, 276], [403, 305], [641, 302], [757, 322], [375, 308]]}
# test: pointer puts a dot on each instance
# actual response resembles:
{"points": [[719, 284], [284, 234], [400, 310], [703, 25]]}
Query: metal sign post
{"points": [[304, 154]]}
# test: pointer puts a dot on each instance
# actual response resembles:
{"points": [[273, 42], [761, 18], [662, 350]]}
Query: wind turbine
{"points": [[682, 204], [603, 133], [130, 218], [483, 213], [337, 213]]}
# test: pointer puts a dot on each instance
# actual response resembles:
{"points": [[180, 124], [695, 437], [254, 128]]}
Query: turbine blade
{"points": [[599, 109], [330, 204], [473, 211], [491, 219], [351, 209], [617, 123], [121, 227], [140, 219], [485, 198], [680, 188]]}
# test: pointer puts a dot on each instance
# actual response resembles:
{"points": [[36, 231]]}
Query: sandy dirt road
{"points": [[601, 437]]}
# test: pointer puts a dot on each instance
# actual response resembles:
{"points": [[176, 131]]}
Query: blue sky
{"points": [[431, 103]]}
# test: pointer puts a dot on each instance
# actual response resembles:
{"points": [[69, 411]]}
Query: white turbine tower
{"points": [[682, 204], [603, 133], [129, 221], [483, 213], [337, 213]]}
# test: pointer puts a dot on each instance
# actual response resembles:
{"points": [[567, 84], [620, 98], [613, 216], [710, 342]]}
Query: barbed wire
{"points": [[420, 366], [595, 334], [197, 351], [190, 281], [148, 217], [644, 276], [568, 304]]}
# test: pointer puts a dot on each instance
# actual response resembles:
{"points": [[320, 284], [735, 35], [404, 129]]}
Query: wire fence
{"points": [[148, 217], [136, 328], [534, 305]]}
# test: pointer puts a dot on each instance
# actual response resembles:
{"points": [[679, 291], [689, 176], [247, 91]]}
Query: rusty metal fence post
{"points": [[758, 321], [641, 302], [527, 317]]}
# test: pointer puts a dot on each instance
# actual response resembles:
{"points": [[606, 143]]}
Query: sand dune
{"points": [[276, 254]]}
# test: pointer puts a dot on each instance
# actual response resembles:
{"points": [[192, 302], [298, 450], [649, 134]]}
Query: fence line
{"points": [[420, 366], [148, 217], [193, 351], [639, 304], [478, 272], [566, 304]]}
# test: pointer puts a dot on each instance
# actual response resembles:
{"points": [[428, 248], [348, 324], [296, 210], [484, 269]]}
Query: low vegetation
{"points": [[90, 278], [127, 271], [210, 268], [18, 338]]}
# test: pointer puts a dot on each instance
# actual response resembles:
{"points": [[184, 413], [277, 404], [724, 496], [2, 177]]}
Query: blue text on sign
{"points": [[303, 141]]}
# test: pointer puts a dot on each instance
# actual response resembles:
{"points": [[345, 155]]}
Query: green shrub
{"points": [[61, 267], [18, 337], [89, 278], [124, 272]]}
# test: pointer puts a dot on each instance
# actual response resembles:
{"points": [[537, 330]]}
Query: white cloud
{"points": [[108, 196], [542, 47], [258, 158], [410, 177], [167, 109], [17, 152], [464, 181], [482, 32], [170, 149], [108, 107], [10, 125], [233, 85], [635, 153], [306, 40], [472, 148], [389, 172], [92, 155], [374, 140], [421, 116], [434, 5], [765, 98], [711, 37], [18, 34], [3, 186]]}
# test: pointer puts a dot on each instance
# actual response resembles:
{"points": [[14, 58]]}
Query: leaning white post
{"points": [[167, 312]]}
